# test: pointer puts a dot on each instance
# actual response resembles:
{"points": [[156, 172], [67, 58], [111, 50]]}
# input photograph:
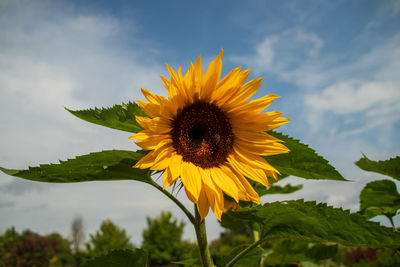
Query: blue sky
{"points": [[335, 64]]}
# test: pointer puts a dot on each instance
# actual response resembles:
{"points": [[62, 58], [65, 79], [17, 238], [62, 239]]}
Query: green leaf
{"points": [[288, 251], [119, 258], [248, 260], [314, 222], [97, 166], [302, 161], [276, 189], [379, 198], [120, 117], [389, 167], [321, 251]]}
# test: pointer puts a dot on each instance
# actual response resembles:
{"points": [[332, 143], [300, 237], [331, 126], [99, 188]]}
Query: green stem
{"points": [[391, 221], [177, 202], [200, 227], [244, 252], [256, 236]]}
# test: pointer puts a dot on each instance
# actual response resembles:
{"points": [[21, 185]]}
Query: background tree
{"points": [[228, 240], [32, 249], [109, 237], [163, 240], [78, 238], [77, 233]]}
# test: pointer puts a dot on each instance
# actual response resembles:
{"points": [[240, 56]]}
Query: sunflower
{"points": [[210, 135]]}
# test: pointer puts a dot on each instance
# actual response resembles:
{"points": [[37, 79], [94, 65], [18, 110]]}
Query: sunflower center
{"points": [[202, 134], [197, 134]]}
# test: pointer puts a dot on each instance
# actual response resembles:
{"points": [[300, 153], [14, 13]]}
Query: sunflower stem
{"points": [[391, 221], [243, 252], [176, 201], [256, 236], [201, 234]]}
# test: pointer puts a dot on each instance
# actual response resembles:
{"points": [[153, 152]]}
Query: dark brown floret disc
{"points": [[202, 134]]}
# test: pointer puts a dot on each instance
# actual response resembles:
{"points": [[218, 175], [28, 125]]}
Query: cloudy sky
{"points": [[335, 63]]}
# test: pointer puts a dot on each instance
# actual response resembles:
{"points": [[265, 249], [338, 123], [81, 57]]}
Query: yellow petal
{"points": [[267, 148], [216, 201], [176, 83], [153, 98], [254, 136], [156, 125], [167, 178], [252, 160], [198, 72], [166, 83], [188, 82], [141, 135], [163, 159], [176, 166], [146, 161], [191, 179], [203, 206], [250, 172], [227, 169], [211, 77], [249, 194], [173, 92], [246, 91], [205, 175], [153, 141], [251, 121], [230, 88], [256, 105], [154, 157], [224, 182], [153, 110], [227, 82], [190, 196], [276, 123], [143, 121], [174, 77], [197, 79]]}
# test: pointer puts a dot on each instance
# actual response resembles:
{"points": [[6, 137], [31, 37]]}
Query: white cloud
{"points": [[48, 62], [373, 97], [265, 54], [308, 37], [354, 96]]}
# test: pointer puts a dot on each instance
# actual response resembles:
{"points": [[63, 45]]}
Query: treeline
{"points": [[162, 239]]}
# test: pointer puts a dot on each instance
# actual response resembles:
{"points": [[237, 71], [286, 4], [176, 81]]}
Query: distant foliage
{"points": [[31, 249], [77, 233], [119, 258], [228, 240], [163, 240], [108, 238]]}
